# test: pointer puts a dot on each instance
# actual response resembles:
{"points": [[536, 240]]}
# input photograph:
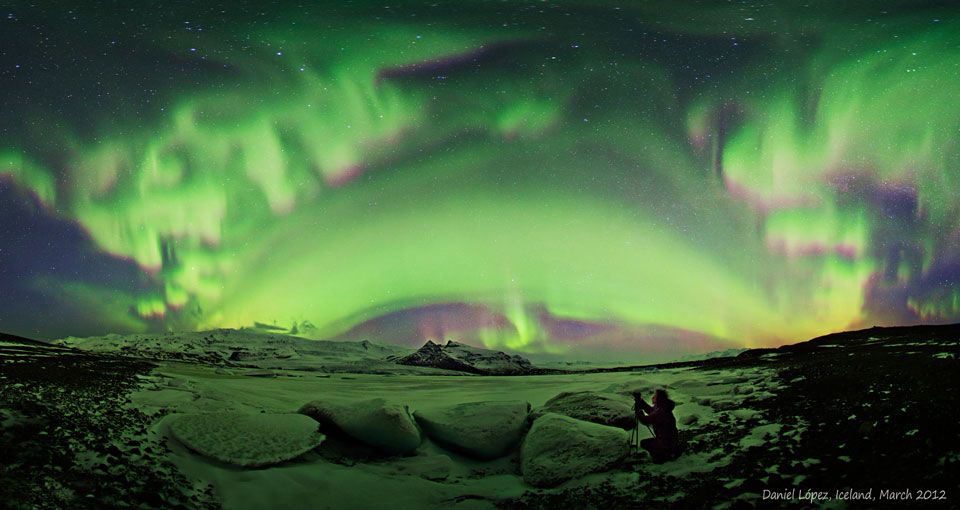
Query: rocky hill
{"points": [[466, 358]]}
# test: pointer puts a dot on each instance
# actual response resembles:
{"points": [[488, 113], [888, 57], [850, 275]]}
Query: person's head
{"points": [[660, 397]]}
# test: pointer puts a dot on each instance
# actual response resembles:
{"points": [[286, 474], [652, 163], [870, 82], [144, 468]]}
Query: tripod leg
{"points": [[636, 436]]}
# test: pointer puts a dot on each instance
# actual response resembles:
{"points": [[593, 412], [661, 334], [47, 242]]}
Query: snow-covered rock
{"points": [[610, 409], [387, 427], [559, 448], [484, 430], [247, 440]]}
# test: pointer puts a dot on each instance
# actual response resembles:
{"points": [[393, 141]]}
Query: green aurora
{"points": [[754, 175]]}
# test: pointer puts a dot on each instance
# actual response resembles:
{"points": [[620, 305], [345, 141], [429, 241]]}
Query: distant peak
{"points": [[464, 358]]}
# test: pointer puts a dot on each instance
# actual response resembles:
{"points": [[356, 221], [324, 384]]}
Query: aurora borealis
{"points": [[741, 174]]}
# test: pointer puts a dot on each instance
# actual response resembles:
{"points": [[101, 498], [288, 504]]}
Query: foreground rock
{"points": [[247, 440], [387, 427], [483, 430], [559, 448], [603, 408]]}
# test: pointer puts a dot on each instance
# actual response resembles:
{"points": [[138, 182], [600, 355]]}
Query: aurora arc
{"points": [[346, 173]]}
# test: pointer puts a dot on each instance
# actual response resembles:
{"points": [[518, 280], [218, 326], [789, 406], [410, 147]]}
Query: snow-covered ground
{"points": [[249, 348], [246, 348], [860, 409], [706, 398]]}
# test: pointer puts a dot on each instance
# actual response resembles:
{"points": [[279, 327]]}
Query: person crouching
{"points": [[665, 444]]}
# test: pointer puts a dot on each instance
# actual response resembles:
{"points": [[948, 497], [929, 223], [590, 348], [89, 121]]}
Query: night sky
{"points": [[539, 176]]}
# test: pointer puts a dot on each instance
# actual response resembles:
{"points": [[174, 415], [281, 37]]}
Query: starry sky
{"points": [[546, 177]]}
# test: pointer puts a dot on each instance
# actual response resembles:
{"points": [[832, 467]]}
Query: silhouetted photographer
{"points": [[665, 444]]}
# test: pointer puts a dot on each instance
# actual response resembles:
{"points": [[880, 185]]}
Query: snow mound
{"points": [[247, 440], [484, 430], [603, 408], [559, 448], [387, 427]]}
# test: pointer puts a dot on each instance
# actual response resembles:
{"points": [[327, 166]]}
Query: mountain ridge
{"points": [[465, 358], [256, 349]]}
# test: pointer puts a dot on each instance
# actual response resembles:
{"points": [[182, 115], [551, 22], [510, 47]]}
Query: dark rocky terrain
{"points": [[872, 409], [69, 440]]}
